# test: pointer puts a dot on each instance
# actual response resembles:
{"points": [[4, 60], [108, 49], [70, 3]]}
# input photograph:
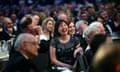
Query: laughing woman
{"points": [[47, 34], [71, 28], [63, 48]]}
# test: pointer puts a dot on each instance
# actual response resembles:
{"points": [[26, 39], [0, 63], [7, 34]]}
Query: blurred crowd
{"points": [[58, 24]]}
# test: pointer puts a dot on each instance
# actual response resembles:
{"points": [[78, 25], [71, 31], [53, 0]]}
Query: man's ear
{"points": [[23, 45], [88, 39], [117, 68]]}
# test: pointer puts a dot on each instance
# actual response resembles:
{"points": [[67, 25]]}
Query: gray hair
{"points": [[90, 30], [80, 22], [6, 19], [96, 24], [25, 17], [21, 38]]}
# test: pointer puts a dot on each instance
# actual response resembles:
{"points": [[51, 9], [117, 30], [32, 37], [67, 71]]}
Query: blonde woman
{"points": [[47, 33]]}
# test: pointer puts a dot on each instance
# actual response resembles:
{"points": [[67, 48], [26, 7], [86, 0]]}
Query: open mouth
{"points": [[64, 30]]}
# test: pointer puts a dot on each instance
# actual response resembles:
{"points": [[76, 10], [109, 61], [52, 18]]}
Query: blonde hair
{"points": [[45, 21]]}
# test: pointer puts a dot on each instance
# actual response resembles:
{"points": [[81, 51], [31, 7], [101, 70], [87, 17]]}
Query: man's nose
{"points": [[37, 46]]}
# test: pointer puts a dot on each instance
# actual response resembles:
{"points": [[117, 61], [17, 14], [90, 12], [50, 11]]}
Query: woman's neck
{"points": [[117, 21], [47, 34], [64, 37]]}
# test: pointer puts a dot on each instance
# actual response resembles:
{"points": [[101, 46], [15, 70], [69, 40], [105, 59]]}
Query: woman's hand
{"points": [[77, 50], [37, 29], [67, 65]]}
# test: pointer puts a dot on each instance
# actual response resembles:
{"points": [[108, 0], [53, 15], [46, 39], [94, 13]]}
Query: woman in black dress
{"points": [[63, 48]]}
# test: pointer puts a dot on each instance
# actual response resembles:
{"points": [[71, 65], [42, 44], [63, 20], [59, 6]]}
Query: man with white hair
{"points": [[26, 47], [94, 28], [98, 25], [81, 25]]}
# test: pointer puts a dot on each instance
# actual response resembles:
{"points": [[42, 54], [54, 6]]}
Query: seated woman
{"points": [[47, 34], [63, 48], [71, 28]]}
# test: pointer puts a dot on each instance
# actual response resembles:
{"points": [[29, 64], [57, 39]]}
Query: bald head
{"points": [[22, 38], [27, 45]]}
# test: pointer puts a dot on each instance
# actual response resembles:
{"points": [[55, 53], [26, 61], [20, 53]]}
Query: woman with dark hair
{"points": [[72, 28], [63, 48]]}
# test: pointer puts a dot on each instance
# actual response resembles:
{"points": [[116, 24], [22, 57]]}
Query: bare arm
{"points": [[77, 50]]}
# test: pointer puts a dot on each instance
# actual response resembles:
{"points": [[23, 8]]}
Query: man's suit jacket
{"points": [[18, 63]]}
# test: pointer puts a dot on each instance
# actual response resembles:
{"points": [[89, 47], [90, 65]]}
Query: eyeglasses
{"points": [[9, 23], [34, 43]]}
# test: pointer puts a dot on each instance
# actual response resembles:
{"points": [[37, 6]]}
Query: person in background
{"points": [[110, 8], [28, 27], [3, 34], [81, 25], [91, 12], [72, 29], [95, 42], [26, 47], [100, 19], [93, 29], [117, 22], [47, 34], [84, 15], [107, 58], [35, 19], [62, 16], [16, 24], [42, 16], [35, 23], [108, 23], [8, 26], [53, 14]]}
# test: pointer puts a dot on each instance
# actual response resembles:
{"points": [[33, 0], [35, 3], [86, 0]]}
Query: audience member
{"points": [[95, 42], [63, 48], [93, 29], [29, 16], [8, 26], [26, 47], [72, 28], [107, 58], [81, 25], [47, 34]]}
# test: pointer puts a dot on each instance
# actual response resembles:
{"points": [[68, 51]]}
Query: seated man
{"points": [[26, 47], [107, 59]]}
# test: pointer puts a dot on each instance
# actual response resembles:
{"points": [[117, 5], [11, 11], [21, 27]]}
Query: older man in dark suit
{"points": [[26, 47]]}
